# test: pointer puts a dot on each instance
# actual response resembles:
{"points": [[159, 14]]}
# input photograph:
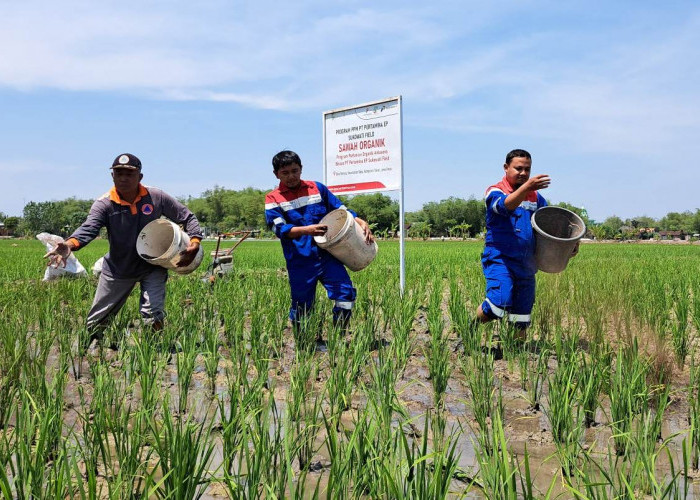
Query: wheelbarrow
{"points": [[222, 259]]}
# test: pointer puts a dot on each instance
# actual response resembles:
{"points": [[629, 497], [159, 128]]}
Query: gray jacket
{"points": [[124, 222]]}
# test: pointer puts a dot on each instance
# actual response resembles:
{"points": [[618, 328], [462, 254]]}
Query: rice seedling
{"points": [[628, 393], [401, 320], [498, 470], [303, 415], [478, 371], [438, 353], [185, 449], [37, 437], [693, 396], [536, 377], [185, 360], [679, 324], [426, 473], [102, 437], [564, 413], [591, 380]]}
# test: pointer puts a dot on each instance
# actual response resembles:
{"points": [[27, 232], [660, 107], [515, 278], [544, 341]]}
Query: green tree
{"points": [[377, 209], [444, 215], [420, 230], [677, 221], [11, 224], [224, 210], [695, 222], [614, 223], [45, 216]]}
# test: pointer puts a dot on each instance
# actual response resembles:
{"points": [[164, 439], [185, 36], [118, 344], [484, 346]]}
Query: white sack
{"points": [[73, 268]]}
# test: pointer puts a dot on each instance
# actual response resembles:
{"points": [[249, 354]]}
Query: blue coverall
{"points": [[307, 263]]}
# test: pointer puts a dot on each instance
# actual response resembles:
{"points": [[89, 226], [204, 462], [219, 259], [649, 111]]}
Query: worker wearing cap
{"points": [[124, 211]]}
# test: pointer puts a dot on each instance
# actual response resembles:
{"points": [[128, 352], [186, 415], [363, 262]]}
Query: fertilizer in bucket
{"points": [[160, 243], [557, 232], [345, 240]]}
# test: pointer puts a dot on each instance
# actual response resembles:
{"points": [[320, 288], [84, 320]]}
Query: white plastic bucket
{"points": [[557, 232], [160, 243], [345, 240]]}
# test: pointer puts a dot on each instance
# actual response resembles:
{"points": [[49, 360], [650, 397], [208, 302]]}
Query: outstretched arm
{"points": [[59, 255], [535, 183]]}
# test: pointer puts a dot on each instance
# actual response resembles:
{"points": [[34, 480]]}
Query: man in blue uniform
{"points": [[509, 254], [294, 211]]}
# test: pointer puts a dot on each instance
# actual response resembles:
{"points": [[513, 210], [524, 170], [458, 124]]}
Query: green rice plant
{"points": [[211, 356], [628, 392], [438, 354], [535, 380], [594, 318], [595, 481], [498, 472], [243, 399], [404, 311], [185, 449], [528, 491], [591, 378], [478, 371], [643, 443], [115, 433], [511, 341], [12, 358], [148, 363], [463, 322], [693, 396], [370, 448], [341, 382], [185, 360], [263, 465], [566, 343], [341, 473], [129, 467], [381, 392], [258, 339], [37, 437], [564, 414], [679, 324], [696, 305], [524, 368], [303, 417], [308, 329], [426, 473]]}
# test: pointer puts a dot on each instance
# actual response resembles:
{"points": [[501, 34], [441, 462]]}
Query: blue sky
{"points": [[603, 94]]}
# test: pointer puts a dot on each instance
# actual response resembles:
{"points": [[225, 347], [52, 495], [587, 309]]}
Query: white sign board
{"points": [[362, 148]]}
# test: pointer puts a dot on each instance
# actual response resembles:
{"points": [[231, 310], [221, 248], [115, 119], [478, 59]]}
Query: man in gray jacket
{"points": [[124, 211]]}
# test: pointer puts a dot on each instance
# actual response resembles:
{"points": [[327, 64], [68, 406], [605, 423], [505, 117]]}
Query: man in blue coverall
{"points": [[294, 211], [509, 254]]}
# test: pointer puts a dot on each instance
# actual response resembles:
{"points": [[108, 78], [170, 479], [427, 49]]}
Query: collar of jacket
{"points": [[114, 196]]}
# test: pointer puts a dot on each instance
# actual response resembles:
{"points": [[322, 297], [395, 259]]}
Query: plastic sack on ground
{"points": [[97, 267], [73, 269]]}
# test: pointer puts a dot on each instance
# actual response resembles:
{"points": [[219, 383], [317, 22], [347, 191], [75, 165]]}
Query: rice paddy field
{"points": [[601, 402]]}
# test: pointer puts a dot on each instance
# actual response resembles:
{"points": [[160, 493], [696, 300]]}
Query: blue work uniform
{"points": [[307, 263], [509, 255]]}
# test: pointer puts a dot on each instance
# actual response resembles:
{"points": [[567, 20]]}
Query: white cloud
{"points": [[462, 65]]}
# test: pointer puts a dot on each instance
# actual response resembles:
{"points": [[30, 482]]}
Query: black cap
{"points": [[126, 160]]}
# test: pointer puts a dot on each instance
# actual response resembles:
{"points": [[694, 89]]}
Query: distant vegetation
{"points": [[220, 210]]}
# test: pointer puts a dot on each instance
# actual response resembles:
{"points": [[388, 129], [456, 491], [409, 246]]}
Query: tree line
{"points": [[223, 210]]}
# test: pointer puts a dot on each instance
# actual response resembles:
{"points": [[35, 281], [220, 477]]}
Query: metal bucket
{"points": [[557, 232], [345, 240], [160, 243]]}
